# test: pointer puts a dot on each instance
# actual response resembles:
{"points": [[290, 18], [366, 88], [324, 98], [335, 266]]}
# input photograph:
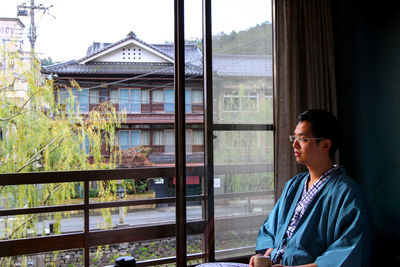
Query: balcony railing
{"points": [[91, 238]]}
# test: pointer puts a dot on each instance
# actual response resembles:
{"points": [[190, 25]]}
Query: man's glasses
{"points": [[301, 139]]}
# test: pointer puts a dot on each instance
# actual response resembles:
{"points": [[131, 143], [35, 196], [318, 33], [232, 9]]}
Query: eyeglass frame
{"points": [[300, 139]]}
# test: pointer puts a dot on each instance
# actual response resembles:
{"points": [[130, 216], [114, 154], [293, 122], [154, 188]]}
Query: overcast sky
{"points": [[73, 25]]}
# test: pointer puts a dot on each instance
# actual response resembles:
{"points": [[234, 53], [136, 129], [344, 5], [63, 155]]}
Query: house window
{"points": [[158, 138], [189, 141], [188, 100], [169, 105], [158, 96], [114, 96], [145, 97], [169, 141], [103, 95], [83, 100], [133, 138], [197, 96], [237, 102], [198, 137], [129, 100], [94, 96], [144, 138], [74, 99]]}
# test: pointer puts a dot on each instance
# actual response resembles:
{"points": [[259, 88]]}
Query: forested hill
{"points": [[253, 41]]}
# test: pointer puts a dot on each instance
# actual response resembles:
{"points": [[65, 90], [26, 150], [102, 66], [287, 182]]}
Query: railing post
{"points": [[86, 223]]}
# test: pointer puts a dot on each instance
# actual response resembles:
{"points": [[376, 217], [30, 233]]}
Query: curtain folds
{"points": [[304, 76]]}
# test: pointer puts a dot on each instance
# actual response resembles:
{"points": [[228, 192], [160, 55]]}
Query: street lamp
{"points": [[121, 194]]}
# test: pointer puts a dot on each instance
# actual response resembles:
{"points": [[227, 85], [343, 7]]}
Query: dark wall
{"points": [[367, 52]]}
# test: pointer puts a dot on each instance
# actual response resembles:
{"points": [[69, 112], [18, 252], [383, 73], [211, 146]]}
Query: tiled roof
{"points": [[224, 65], [119, 68], [192, 53], [193, 58], [242, 65]]}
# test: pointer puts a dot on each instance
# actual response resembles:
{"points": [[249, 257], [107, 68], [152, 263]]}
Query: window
{"points": [[133, 138], [197, 96], [238, 102], [83, 99], [74, 99], [114, 96], [188, 141], [198, 137], [158, 138], [169, 141], [129, 100], [145, 96], [94, 96], [169, 105], [188, 101], [158, 96]]}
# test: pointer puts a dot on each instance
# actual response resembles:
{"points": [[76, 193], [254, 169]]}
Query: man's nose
{"points": [[295, 144]]}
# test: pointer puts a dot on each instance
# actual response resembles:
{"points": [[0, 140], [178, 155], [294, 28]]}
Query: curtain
{"points": [[197, 96], [94, 96], [305, 74], [114, 96], [158, 96], [145, 96], [158, 138], [144, 138]]}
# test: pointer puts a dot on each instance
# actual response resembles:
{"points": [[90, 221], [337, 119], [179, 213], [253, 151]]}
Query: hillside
{"points": [[253, 41]]}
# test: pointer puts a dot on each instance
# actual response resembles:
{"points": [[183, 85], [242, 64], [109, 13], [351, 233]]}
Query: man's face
{"points": [[307, 152]]}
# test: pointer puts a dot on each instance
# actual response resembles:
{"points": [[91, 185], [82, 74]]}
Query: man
{"points": [[321, 218]]}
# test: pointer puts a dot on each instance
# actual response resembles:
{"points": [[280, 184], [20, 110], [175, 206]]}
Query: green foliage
{"points": [[40, 134], [46, 61], [253, 41]]}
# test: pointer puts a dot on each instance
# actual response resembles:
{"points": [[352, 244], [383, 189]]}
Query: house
{"points": [[138, 78]]}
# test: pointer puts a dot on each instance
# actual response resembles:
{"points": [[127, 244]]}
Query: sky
{"points": [[71, 26]]}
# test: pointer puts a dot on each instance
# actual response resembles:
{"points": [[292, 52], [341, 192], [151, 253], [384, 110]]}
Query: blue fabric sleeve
{"points": [[352, 236]]}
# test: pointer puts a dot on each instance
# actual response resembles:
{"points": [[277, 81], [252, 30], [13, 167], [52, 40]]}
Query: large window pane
{"points": [[243, 188], [242, 94], [242, 62]]}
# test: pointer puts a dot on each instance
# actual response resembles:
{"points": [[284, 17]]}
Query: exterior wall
{"points": [[131, 53]]}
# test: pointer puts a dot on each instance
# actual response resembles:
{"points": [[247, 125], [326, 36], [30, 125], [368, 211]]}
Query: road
{"points": [[149, 216]]}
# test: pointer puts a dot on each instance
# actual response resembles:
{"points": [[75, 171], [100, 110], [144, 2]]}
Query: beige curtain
{"points": [[305, 73]]}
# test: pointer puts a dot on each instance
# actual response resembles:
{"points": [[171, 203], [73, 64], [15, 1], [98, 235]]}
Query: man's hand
{"points": [[267, 253]]}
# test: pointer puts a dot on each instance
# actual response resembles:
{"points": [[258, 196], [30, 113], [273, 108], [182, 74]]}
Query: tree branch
{"points": [[44, 201], [34, 159], [20, 109], [6, 88]]}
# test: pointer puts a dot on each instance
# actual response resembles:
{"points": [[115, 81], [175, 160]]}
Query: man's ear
{"points": [[326, 145]]}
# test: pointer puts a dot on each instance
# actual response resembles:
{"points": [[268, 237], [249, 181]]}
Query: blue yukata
{"points": [[335, 229]]}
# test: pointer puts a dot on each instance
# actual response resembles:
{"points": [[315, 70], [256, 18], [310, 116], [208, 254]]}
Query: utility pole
{"points": [[23, 11]]}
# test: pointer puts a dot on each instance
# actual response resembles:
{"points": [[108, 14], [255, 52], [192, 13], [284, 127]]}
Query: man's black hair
{"points": [[323, 125]]}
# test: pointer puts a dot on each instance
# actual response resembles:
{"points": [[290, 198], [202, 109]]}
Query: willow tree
{"points": [[38, 133]]}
